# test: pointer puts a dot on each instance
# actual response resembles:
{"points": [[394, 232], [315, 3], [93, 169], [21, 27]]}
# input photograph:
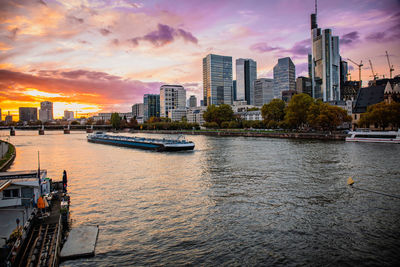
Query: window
{"points": [[10, 193]]}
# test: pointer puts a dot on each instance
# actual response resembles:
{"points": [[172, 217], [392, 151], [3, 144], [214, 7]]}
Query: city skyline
{"points": [[102, 57]]}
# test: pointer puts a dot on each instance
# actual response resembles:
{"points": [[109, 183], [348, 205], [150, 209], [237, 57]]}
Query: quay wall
{"points": [[291, 135], [9, 157]]}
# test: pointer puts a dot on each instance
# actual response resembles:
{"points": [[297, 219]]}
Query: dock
{"points": [[81, 242]]}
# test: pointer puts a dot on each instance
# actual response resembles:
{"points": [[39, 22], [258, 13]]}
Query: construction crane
{"points": [[359, 67], [391, 69], [374, 75]]}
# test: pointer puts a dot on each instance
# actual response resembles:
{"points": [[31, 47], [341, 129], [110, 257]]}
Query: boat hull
{"points": [[142, 145]]}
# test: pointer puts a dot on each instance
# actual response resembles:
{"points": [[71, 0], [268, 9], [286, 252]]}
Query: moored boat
{"points": [[141, 142], [374, 136]]}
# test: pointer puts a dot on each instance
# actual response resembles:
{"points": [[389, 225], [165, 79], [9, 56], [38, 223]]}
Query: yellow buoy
{"points": [[350, 181]]}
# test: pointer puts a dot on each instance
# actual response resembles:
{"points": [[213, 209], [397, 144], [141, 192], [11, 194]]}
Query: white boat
{"points": [[374, 137]]}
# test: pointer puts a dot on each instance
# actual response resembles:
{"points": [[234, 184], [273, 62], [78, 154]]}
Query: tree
{"points": [[218, 114], [382, 115], [297, 110], [90, 121], [326, 117], [274, 111], [115, 120]]}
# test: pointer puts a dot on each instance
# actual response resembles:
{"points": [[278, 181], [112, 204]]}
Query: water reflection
{"points": [[232, 201]]}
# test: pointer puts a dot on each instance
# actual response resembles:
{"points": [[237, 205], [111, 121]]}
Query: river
{"points": [[232, 201]]}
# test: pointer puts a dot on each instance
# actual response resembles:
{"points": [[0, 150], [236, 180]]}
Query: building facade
{"points": [[171, 97], [28, 114], [177, 114], [9, 118], [325, 63], [192, 101], [246, 74], [217, 80], [68, 115], [137, 110], [195, 115], [303, 85], [1, 116], [234, 91], [263, 91], [284, 76], [151, 106], [46, 111]]}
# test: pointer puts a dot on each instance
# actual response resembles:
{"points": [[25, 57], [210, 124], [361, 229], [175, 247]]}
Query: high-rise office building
{"points": [[192, 101], [68, 115], [325, 63], [263, 91], [27, 114], [151, 106], [8, 119], [303, 85], [217, 80], [284, 76], [1, 115], [46, 111], [234, 90], [246, 74], [171, 97], [137, 110]]}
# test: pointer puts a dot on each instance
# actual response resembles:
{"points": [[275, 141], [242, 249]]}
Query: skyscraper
{"points": [[303, 85], [284, 76], [46, 111], [325, 63], [246, 74], [171, 97], [234, 90], [151, 106], [68, 115], [217, 80], [263, 91], [27, 114], [192, 101]]}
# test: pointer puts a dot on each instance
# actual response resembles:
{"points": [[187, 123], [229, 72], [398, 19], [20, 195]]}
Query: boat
{"points": [[141, 142], [392, 137]]}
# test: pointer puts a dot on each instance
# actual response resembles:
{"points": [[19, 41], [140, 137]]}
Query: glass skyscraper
{"points": [[217, 80], [284, 76], [325, 63], [263, 91], [151, 106], [246, 74]]}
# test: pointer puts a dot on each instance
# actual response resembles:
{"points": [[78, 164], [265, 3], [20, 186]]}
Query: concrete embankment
{"points": [[8, 153], [292, 135]]}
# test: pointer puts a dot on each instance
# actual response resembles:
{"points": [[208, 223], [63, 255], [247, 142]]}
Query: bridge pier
{"points": [[12, 132], [41, 131], [67, 131]]}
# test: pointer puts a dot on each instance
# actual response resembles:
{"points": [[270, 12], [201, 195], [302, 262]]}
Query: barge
{"points": [[141, 142]]}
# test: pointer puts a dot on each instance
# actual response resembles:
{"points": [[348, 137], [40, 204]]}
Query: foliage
{"points": [[253, 109], [234, 124], [218, 114], [382, 115], [90, 121], [273, 112], [297, 110], [175, 125], [212, 125], [225, 124], [158, 119], [115, 120], [74, 123], [326, 117]]}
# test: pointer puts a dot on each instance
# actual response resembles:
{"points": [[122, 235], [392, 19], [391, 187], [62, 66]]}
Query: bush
{"points": [[225, 124], [233, 124], [212, 125]]}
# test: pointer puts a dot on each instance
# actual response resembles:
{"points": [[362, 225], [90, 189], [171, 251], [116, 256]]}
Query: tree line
{"points": [[302, 112]]}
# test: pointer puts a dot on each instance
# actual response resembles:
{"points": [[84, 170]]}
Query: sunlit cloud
{"points": [[36, 93]]}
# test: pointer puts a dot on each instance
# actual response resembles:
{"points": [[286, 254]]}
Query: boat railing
{"points": [[134, 138]]}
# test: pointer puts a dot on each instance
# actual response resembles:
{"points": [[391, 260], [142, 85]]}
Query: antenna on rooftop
{"points": [[315, 7]]}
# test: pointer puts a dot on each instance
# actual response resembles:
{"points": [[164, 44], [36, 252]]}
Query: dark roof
{"points": [[368, 96]]}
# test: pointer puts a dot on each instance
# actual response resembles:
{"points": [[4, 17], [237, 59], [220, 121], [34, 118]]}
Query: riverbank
{"points": [[255, 133], [8, 158]]}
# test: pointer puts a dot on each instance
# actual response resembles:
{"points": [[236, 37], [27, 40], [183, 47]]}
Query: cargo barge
{"points": [[141, 142]]}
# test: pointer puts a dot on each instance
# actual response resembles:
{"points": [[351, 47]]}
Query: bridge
{"points": [[66, 128]]}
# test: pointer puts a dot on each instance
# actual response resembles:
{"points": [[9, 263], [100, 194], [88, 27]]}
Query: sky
{"points": [[93, 56]]}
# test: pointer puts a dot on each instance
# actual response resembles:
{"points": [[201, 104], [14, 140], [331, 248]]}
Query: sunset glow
{"points": [[104, 55]]}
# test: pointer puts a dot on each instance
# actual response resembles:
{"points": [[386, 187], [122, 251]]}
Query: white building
{"points": [[46, 111], [68, 115], [107, 116], [177, 114], [195, 115], [240, 106], [171, 97], [254, 115]]}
